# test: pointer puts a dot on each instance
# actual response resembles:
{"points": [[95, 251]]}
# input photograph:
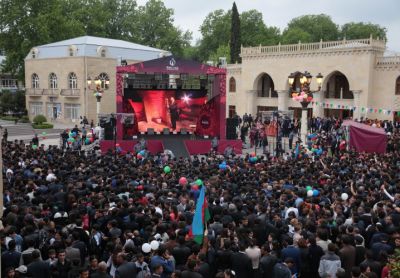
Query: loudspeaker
{"points": [[183, 131], [166, 131], [108, 132], [150, 131], [230, 129]]}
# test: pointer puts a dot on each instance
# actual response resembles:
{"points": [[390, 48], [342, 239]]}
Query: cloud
{"points": [[189, 14]]}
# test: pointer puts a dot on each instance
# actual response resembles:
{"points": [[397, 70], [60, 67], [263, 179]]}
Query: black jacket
{"points": [[39, 269], [241, 264], [181, 253], [126, 270]]}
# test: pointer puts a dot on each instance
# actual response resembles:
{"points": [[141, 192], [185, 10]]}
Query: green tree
{"points": [[215, 31], [27, 23], [222, 51], [294, 35], [235, 41], [254, 31], [316, 26], [361, 30], [156, 28]]}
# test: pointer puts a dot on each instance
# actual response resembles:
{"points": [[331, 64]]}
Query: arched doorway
{"points": [[264, 86], [337, 86]]}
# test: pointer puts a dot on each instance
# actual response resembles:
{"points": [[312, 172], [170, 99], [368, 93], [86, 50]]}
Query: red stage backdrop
{"points": [[171, 65]]}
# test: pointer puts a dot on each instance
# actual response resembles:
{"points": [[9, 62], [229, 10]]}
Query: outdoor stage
{"points": [[180, 145], [172, 97]]}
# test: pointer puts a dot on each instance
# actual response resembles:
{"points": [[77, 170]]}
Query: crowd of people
{"points": [[314, 214]]}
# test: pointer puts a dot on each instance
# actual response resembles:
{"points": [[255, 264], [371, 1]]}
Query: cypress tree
{"points": [[235, 41]]}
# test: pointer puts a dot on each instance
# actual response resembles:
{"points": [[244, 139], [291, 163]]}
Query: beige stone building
{"points": [[360, 79], [57, 74]]}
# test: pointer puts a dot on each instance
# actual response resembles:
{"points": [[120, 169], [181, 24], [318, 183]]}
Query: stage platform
{"points": [[180, 145]]}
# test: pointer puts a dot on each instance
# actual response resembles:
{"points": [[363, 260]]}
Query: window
{"points": [[232, 85], [53, 110], [232, 111], [8, 83], [105, 81], [72, 81], [53, 80], [33, 54], [72, 50], [398, 86], [35, 81], [103, 53], [72, 111], [36, 108]]}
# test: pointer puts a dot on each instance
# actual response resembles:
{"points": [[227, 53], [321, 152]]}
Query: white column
{"points": [[318, 111], [283, 97], [98, 109], [303, 130], [357, 104], [251, 97]]}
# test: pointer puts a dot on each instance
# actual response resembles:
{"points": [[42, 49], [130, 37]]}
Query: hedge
{"points": [[39, 119], [42, 126], [9, 118], [24, 119]]}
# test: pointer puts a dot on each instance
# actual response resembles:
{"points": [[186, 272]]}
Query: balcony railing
{"points": [[34, 92], [70, 92], [388, 61], [314, 47], [51, 92]]}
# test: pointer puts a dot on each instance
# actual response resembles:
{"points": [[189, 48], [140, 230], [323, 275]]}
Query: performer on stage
{"points": [[174, 112]]}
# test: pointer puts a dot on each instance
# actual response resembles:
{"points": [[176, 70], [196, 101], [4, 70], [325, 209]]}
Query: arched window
{"points": [[232, 85], [105, 81], [72, 50], [398, 86], [53, 81], [35, 81], [34, 53], [103, 53], [72, 81], [338, 87]]}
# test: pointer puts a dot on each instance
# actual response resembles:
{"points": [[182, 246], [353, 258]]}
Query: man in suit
{"points": [[11, 257], [101, 271], [71, 253], [241, 263], [174, 112], [181, 253], [38, 268], [61, 268], [190, 273], [125, 269]]}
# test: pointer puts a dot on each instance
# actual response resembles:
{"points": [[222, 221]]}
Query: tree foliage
{"points": [[361, 30], [235, 42], [313, 28], [28, 23], [12, 102]]}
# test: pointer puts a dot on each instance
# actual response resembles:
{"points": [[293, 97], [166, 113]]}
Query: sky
{"points": [[189, 14]]}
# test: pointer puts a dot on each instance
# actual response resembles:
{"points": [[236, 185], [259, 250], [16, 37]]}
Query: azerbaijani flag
{"points": [[297, 151], [201, 216]]}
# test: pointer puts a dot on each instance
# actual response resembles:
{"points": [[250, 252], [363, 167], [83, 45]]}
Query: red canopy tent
{"points": [[365, 138]]}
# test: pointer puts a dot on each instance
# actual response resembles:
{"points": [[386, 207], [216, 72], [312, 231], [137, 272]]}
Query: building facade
{"points": [[57, 74], [359, 79], [7, 81]]}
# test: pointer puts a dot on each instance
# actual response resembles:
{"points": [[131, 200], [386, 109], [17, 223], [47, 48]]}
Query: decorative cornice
{"points": [[343, 47], [388, 63]]}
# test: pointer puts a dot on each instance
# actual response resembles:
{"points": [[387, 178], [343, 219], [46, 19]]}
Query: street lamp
{"points": [[97, 92], [304, 97]]}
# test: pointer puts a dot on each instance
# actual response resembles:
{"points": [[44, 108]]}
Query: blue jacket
{"points": [[168, 266], [294, 253]]}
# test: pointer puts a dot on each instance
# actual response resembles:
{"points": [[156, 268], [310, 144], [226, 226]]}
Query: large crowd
{"points": [[333, 213]]}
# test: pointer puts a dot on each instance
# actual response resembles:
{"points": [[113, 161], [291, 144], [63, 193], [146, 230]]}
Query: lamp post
{"points": [[98, 93], [304, 97]]}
